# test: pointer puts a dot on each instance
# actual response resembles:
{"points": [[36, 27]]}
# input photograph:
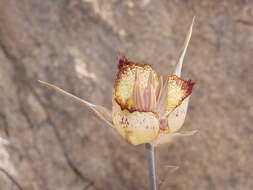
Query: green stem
{"points": [[151, 165]]}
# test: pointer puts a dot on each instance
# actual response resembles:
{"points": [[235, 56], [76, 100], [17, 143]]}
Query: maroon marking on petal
{"points": [[124, 122]]}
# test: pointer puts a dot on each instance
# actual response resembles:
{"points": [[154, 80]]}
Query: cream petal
{"points": [[176, 117], [136, 127], [100, 111], [125, 88], [177, 72], [177, 90], [164, 139]]}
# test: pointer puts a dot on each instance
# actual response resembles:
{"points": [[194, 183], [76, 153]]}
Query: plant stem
{"points": [[151, 165]]}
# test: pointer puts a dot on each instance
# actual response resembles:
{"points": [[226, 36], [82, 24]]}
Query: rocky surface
{"points": [[58, 144]]}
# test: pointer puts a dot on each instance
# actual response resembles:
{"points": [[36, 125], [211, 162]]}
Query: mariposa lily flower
{"points": [[145, 109]]}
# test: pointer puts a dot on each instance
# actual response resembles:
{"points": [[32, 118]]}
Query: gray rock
{"points": [[58, 144]]}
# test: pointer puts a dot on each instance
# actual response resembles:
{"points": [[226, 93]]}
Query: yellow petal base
{"points": [[136, 127]]}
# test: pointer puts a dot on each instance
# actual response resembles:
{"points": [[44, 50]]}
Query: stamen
{"points": [[163, 98], [142, 101], [149, 95], [151, 79], [139, 106], [145, 95], [146, 99], [159, 89], [153, 99], [135, 90], [136, 93]]}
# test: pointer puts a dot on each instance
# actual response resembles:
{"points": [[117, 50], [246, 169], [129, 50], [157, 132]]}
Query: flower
{"points": [[144, 110]]}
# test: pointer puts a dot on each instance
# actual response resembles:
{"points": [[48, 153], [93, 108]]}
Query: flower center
{"points": [[146, 99]]}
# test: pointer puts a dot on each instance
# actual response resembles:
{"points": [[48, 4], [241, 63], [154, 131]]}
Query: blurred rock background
{"points": [[58, 144]]}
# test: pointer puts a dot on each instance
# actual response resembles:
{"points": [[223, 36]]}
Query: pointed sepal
{"points": [[100, 111], [177, 72], [168, 138]]}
